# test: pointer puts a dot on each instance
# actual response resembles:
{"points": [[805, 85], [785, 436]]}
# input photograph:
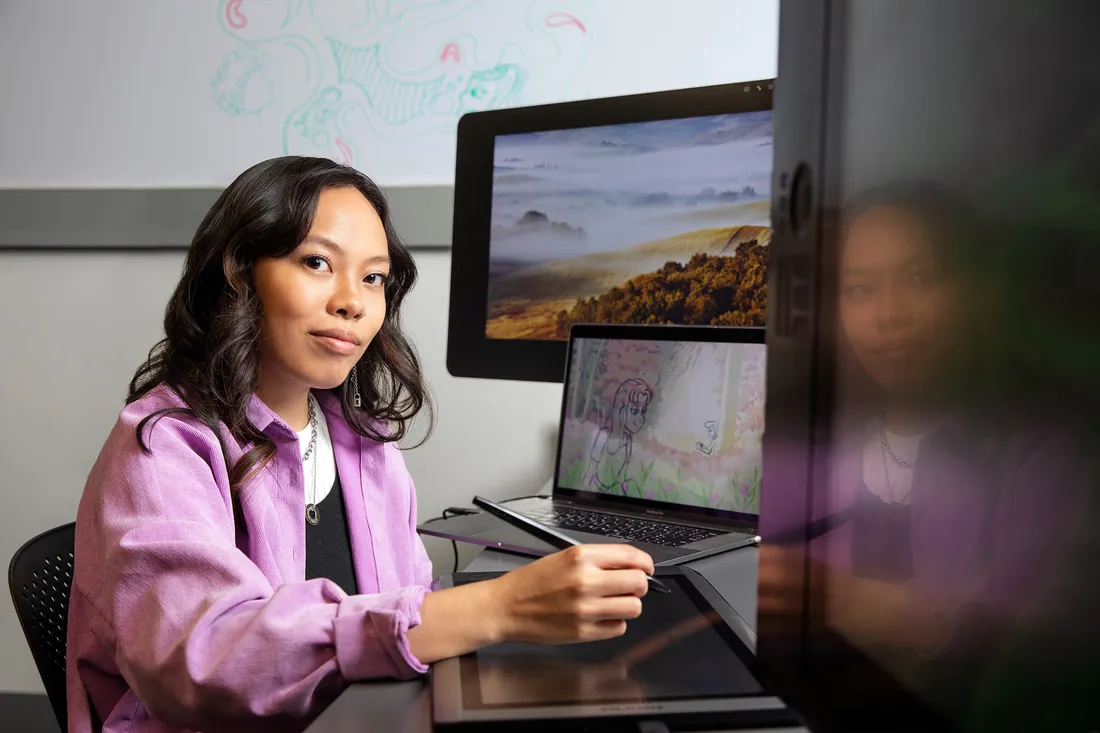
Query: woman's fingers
{"points": [[612, 609], [606, 629], [610, 557], [617, 583]]}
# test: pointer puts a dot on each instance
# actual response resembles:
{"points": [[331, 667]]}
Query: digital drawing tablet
{"points": [[688, 660]]}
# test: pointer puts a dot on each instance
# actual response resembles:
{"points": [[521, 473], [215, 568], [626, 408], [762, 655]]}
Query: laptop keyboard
{"points": [[626, 528]]}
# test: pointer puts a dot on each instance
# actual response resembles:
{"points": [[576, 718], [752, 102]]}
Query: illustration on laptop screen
{"points": [[628, 223], [665, 421]]}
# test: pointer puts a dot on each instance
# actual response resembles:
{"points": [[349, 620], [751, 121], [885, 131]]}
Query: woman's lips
{"points": [[897, 350], [336, 344]]}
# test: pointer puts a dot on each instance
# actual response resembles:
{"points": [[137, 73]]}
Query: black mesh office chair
{"points": [[40, 576]]}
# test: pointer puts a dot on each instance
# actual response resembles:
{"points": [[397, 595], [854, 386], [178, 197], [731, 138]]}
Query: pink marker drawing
{"points": [[345, 152], [234, 16], [561, 19], [450, 51]]}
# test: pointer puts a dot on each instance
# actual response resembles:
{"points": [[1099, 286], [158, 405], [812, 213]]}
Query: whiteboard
{"points": [[188, 93]]}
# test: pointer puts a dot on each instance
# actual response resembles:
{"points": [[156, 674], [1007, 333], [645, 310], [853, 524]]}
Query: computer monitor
{"points": [[929, 519], [650, 208]]}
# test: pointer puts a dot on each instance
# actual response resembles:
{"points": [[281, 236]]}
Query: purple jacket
{"points": [[181, 619]]}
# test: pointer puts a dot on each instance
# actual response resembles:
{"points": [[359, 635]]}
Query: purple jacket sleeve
{"points": [[422, 563], [201, 635]]}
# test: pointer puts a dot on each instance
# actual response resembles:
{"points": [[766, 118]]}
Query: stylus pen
{"points": [[558, 539]]}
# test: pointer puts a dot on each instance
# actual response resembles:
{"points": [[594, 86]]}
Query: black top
{"points": [[881, 545], [328, 544]]}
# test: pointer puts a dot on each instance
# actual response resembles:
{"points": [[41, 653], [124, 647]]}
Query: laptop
{"points": [[659, 445]]}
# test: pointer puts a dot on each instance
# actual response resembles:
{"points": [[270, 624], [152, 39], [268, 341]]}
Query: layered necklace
{"points": [[890, 451], [312, 515], [898, 461]]}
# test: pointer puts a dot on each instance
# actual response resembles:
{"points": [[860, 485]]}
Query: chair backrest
{"points": [[40, 576]]}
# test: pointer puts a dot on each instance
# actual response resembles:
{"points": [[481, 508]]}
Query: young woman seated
{"points": [[246, 543]]}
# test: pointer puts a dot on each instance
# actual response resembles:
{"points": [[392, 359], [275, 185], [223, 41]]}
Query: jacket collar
{"points": [[267, 421], [264, 419]]}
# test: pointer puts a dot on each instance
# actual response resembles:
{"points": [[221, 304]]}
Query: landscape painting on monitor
{"points": [[650, 222]]}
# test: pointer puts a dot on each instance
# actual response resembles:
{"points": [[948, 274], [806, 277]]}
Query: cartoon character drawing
{"points": [[712, 431], [610, 456]]}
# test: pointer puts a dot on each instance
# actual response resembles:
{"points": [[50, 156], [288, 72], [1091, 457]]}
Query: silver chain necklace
{"points": [[890, 451], [312, 515]]}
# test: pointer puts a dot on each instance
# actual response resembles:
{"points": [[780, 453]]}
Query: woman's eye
{"points": [[315, 262], [857, 291], [375, 278], [921, 279]]}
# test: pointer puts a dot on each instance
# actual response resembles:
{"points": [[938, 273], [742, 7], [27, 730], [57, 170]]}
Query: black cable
{"points": [[447, 514]]}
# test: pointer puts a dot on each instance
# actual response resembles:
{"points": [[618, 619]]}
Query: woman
{"points": [[609, 458], [246, 542], [951, 507], [903, 310]]}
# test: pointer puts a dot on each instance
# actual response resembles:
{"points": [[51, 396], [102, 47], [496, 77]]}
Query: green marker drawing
{"points": [[240, 85], [333, 87], [323, 124], [398, 102], [292, 11]]}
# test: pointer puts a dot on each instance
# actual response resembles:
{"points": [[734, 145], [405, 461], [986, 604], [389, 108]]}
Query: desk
{"points": [[405, 707]]}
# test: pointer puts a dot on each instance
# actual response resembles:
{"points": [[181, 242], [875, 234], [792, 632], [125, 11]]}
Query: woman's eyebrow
{"points": [[857, 272], [326, 242], [921, 258]]}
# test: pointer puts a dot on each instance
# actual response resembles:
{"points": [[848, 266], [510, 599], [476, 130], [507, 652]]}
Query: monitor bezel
{"points": [[639, 332], [829, 681], [469, 352]]}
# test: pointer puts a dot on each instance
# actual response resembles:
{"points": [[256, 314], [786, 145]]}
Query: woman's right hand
{"points": [[583, 593]]}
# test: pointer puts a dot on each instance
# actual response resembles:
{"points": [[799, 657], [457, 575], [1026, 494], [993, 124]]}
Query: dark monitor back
{"points": [[929, 503]]}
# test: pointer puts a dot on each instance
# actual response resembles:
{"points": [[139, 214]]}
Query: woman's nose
{"points": [[347, 301], [890, 310]]}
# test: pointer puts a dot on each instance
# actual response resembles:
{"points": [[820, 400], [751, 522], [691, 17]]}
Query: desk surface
{"points": [[404, 707]]}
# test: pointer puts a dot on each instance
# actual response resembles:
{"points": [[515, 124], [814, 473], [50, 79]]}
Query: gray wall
{"points": [[75, 327]]}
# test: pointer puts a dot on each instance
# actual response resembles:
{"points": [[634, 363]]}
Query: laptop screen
{"points": [[674, 422]]}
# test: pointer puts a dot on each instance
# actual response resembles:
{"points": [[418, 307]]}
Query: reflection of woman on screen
{"points": [[610, 455], [950, 507], [901, 315]]}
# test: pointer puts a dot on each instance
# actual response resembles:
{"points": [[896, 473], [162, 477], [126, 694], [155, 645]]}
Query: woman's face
{"points": [[898, 307], [325, 301], [635, 414]]}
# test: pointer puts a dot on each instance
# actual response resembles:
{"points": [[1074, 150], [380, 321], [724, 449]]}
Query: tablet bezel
{"points": [[450, 711], [469, 352]]}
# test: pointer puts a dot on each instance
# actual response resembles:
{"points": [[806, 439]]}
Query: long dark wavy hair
{"points": [[210, 354]]}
